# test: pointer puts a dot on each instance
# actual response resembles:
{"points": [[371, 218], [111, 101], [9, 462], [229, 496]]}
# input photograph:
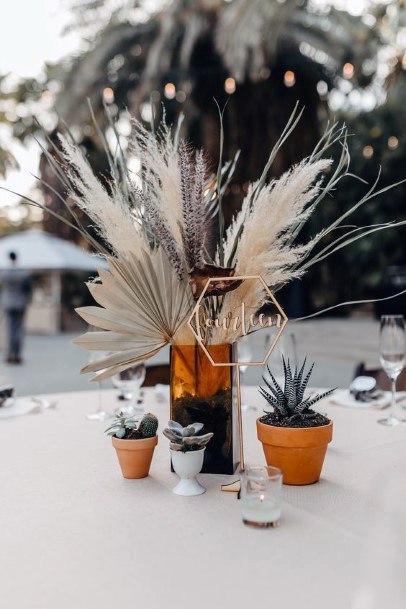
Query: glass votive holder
{"points": [[261, 496]]}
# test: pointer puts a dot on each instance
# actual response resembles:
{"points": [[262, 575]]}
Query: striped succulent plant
{"points": [[289, 404]]}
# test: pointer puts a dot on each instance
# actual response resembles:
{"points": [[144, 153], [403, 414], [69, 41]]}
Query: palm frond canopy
{"points": [[188, 41]]}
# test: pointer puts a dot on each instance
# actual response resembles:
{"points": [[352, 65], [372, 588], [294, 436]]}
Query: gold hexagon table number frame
{"points": [[280, 324]]}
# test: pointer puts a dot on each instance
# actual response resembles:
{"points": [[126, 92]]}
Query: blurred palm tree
{"points": [[258, 56]]}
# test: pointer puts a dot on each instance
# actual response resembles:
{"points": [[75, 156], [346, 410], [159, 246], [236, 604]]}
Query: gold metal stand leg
{"points": [[239, 418]]}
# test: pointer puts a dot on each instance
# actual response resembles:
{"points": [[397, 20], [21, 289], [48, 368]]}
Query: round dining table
{"points": [[74, 534]]}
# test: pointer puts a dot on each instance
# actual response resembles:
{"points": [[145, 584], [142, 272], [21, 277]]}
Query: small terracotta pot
{"points": [[135, 456], [298, 452]]}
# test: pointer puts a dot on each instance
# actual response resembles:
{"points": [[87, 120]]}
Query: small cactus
{"points": [[125, 427], [148, 426]]}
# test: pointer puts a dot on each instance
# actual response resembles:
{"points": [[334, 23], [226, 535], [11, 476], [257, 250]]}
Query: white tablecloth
{"points": [[75, 535]]}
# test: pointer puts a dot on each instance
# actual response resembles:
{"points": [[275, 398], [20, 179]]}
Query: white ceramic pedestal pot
{"points": [[187, 465]]}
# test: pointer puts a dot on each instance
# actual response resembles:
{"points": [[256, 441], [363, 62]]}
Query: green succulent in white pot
{"points": [[187, 452]]}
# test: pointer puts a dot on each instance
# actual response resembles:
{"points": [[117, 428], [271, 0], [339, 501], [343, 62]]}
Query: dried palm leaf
{"points": [[143, 305]]}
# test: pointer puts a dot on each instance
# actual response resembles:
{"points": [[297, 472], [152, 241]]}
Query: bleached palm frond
{"points": [[143, 305], [249, 33], [111, 213], [242, 34]]}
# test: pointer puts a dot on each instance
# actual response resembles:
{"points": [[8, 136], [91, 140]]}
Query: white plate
{"points": [[19, 408], [344, 398]]}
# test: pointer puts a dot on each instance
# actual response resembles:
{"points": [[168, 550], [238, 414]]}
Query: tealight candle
{"points": [[261, 496]]}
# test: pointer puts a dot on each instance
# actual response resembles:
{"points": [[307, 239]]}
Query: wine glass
{"points": [[100, 414], [392, 355], [129, 383]]}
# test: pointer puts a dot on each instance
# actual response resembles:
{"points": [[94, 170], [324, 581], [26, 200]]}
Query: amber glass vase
{"points": [[203, 393]]}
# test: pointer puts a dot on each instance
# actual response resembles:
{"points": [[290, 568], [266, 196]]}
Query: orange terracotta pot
{"points": [[298, 452], [135, 456]]}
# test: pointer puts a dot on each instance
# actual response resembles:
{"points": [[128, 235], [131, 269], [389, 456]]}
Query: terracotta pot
{"points": [[135, 456], [298, 452]]}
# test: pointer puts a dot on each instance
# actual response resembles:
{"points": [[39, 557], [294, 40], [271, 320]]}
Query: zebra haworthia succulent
{"points": [[290, 406]]}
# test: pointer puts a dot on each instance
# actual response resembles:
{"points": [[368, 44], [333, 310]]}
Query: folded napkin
{"points": [[21, 406], [344, 397]]}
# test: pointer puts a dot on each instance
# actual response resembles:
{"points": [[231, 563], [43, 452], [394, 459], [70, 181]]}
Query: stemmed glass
{"points": [[392, 355], [245, 354], [129, 383], [100, 414]]}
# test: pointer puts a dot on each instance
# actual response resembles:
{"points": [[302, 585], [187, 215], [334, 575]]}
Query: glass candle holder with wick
{"points": [[261, 496]]}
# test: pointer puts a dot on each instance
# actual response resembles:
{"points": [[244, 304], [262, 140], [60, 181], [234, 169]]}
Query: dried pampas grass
{"points": [[111, 214], [159, 221], [160, 172], [265, 246]]}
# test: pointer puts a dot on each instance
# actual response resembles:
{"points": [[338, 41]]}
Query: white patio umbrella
{"points": [[40, 252]]}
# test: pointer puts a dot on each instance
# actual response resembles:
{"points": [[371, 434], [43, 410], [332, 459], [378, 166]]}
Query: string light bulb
{"points": [[229, 85], [375, 132], [108, 95], [170, 90], [348, 70], [47, 95], [368, 152], [289, 78], [393, 142]]}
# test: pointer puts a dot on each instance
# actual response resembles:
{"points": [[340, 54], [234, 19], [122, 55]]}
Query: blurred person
{"points": [[14, 298]]}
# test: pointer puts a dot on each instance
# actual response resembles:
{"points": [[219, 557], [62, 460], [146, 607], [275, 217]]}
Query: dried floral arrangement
{"points": [[290, 407], [160, 225]]}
